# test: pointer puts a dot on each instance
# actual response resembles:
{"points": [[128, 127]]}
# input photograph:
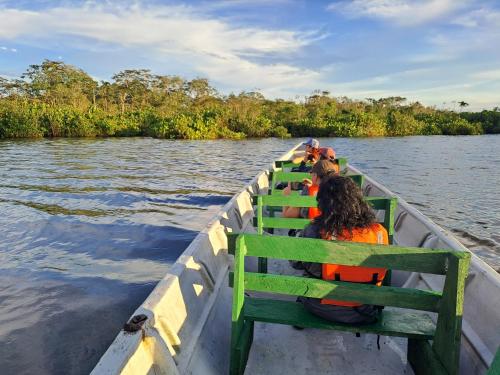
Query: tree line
{"points": [[54, 99]]}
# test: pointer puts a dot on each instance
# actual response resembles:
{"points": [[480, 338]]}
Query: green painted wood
{"points": [[449, 324], [271, 182], [362, 293], [231, 242], [392, 323], [495, 365], [390, 209], [262, 262], [342, 163], [289, 164], [348, 253], [279, 200], [285, 223], [280, 176], [237, 317], [244, 344], [423, 360], [359, 179], [291, 176]]}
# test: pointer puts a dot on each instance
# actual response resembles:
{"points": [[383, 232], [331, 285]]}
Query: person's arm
{"points": [[302, 158], [290, 212]]}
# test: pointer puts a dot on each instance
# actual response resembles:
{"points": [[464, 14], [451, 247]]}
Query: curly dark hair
{"points": [[342, 206]]}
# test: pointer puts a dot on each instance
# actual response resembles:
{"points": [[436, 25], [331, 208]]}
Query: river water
{"points": [[88, 227]]}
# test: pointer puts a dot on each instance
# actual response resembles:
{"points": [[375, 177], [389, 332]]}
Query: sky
{"points": [[438, 52]]}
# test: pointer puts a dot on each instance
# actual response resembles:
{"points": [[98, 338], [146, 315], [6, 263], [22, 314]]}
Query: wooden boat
{"points": [[186, 326]]}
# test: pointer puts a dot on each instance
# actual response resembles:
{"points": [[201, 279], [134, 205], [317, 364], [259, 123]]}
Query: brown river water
{"points": [[88, 227]]}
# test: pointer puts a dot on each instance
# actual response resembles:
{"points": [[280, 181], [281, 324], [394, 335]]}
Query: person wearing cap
{"points": [[312, 151], [319, 171]]}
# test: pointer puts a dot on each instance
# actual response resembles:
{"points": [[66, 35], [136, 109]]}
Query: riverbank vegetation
{"points": [[54, 99]]}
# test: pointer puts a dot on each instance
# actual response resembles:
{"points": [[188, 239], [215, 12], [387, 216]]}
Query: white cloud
{"points": [[209, 46], [402, 12], [487, 75], [485, 18], [3, 48]]}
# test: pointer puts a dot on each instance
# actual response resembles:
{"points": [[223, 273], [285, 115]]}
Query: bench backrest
{"points": [[261, 222], [447, 304], [280, 176], [342, 162]]}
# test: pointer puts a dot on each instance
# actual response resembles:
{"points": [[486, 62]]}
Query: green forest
{"points": [[55, 99]]}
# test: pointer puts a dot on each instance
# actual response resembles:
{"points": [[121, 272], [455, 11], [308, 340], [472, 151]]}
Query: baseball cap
{"points": [[314, 143]]}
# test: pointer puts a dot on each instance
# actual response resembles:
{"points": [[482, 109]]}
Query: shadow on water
{"points": [[59, 327], [66, 295]]}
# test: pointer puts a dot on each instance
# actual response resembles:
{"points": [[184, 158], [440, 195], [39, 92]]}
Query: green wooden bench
{"points": [[280, 176], [440, 357], [262, 222], [342, 162]]}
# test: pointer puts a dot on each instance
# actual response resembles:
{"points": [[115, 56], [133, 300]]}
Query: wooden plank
{"points": [[357, 178], [290, 176], [423, 360], [244, 345], [392, 323], [389, 218], [285, 223], [262, 262], [378, 203], [348, 253], [237, 317], [342, 163], [449, 324], [280, 200], [231, 242], [289, 164], [344, 291]]}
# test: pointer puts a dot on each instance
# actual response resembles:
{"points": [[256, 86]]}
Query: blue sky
{"points": [[434, 51]]}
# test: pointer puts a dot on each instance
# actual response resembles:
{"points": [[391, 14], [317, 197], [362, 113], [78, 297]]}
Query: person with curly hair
{"points": [[344, 216]]}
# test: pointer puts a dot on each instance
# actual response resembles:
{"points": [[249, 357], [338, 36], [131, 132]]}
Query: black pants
{"points": [[364, 314]]}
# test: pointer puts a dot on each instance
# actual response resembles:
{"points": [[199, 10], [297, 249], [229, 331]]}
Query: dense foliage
{"points": [[54, 99]]}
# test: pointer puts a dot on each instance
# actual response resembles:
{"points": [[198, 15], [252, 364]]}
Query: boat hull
{"points": [[189, 311]]}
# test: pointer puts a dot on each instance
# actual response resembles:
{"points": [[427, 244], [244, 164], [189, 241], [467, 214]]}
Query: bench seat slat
{"points": [[392, 323], [344, 291]]}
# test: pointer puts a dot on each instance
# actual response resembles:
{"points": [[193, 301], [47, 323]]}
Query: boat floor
{"points": [[281, 349]]}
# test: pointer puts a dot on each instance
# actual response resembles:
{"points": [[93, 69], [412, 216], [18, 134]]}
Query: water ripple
{"points": [[89, 226]]}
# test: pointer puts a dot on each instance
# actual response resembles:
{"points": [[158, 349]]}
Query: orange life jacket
{"points": [[313, 211], [375, 234]]}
